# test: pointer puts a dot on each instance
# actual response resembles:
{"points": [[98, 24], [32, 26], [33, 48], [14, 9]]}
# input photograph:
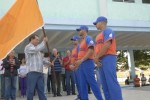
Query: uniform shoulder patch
{"points": [[91, 42], [110, 35]]}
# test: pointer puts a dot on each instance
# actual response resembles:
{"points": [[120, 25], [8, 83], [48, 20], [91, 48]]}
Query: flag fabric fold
{"points": [[21, 20]]}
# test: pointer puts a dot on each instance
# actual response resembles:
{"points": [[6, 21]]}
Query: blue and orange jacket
{"points": [[104, 36], [85, 44]]}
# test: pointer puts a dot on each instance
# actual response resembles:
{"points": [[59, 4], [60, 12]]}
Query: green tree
{"points": [[122, 60], [142, 58]]}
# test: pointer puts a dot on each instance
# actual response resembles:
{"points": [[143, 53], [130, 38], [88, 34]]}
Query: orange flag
{"points": [[22, 19]]}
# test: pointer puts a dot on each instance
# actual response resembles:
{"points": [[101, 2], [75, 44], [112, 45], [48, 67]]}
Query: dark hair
{"points": [[32, 37]]}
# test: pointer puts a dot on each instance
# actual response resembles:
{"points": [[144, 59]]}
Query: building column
{"points": [[103, 8], [131, 63]]}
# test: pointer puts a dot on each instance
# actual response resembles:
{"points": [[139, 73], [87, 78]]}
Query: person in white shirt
{"points": [[45, 70], [34, 62], [143, 80], [22, 77]]}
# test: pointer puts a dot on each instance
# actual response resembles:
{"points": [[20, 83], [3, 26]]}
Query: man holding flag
{"points": [[34, 61]]}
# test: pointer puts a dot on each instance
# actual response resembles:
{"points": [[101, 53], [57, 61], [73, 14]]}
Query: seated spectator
{"points": [[136, 81], [143, 80], [127, 81], [131, 80]]}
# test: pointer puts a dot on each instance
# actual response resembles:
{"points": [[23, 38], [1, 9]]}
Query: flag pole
{"points": [[53, 72]]}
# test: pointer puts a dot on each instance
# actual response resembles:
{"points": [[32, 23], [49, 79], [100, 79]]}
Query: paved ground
{"points": [[129, 93]]}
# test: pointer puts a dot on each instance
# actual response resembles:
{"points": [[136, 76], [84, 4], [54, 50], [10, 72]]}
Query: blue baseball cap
{"points": [[75, 38], [100, 19], [82, 27]]}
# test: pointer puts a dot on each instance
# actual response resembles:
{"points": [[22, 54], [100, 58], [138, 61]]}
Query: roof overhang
{"points": [[129, 34]]}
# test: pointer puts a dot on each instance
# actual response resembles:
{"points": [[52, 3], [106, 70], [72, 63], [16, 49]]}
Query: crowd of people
{"points": [[137, 81], [66, 76], [76, 70]]}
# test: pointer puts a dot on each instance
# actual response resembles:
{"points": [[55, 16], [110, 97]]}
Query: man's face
{"points": [[68, 53], [11, 53], [81, 33], [136, 76], [74, 42], [142, 75], [99, 25], [35, 41], [23, 60], [55, 51]]}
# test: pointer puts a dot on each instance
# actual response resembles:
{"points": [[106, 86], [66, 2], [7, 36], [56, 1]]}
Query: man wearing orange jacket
{"points": [[75, 40], [105, 52], [86, 63]]}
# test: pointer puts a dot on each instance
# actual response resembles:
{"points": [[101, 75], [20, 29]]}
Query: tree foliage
{"points": [[122, 60], [141, 58]]}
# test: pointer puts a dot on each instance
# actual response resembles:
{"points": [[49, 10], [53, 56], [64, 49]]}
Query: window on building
{"points": [[130, 1], [146, 1], [118, 0]]}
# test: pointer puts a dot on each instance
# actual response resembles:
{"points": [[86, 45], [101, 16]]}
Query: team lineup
{"points": [[103, 53]]}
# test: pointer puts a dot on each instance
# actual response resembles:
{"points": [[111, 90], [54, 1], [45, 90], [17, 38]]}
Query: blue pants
{"points": [[10, 87], [23, 86], [98, 76], [77, 81], [2, 85], [111, 87], [70, 77], [87, 77], [35, 80]]}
